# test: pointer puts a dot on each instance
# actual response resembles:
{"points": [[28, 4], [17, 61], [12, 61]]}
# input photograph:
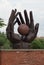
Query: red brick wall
{"points": [[22, 57]]}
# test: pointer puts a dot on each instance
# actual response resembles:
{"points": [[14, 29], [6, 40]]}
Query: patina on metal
{"points": [[20, 41]]}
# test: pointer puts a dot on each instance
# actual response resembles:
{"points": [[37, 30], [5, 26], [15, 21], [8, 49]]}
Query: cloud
{"points": [[37, 6], [5, 8]]}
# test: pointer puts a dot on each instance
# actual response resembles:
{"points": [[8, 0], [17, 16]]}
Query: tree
{"points": [[2, 23]]}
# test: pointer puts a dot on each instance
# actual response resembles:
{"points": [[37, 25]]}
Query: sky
{"points": [[36, 6]]}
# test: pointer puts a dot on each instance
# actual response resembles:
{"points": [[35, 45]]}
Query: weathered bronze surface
{"points": [[21, 41]]}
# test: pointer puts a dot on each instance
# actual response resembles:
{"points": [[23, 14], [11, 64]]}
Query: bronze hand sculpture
{"points": [[22, 41]]}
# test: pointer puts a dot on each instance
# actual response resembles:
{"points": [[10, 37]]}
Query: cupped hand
{"points": [[13, 19]]}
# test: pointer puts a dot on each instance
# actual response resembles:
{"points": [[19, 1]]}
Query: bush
{"points": [[4, 42], [38, 44]]}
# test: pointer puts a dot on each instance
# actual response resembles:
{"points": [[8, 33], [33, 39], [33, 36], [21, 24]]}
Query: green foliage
{"points": [[2, 23], [38, 44], [4, 42]]}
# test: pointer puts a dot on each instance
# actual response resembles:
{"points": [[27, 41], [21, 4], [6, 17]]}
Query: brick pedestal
{"points": [[22, 57]]}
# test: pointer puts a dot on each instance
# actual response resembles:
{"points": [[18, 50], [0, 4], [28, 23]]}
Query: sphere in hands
{"points": [[23, 29]]}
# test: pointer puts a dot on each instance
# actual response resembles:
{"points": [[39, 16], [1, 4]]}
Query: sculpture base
{"points": [[21, 45]]}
